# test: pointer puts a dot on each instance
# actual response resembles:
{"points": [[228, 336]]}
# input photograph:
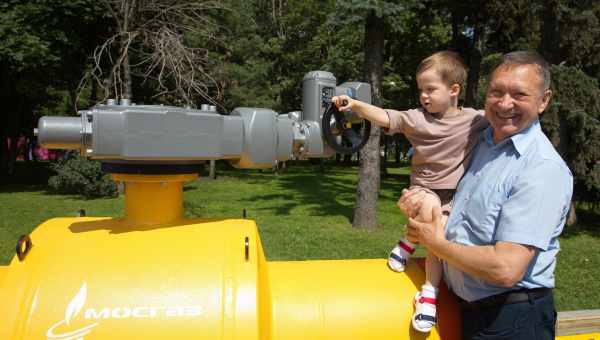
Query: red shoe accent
{"points": [[423, 299], [406, 247]]}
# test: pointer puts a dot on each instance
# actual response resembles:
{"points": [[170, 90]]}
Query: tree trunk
{"points": [[397, 150], [72, 88], [383, 165], [13, 152], [127, 94], [212, 174], [572, 216], [367, 191], [108, 84], [550, 35], [4, 116], [14, 128], [3, 153], [474, 66], [10, 121], [94, 93], [127, 11], [455, 29], [348, 159]]}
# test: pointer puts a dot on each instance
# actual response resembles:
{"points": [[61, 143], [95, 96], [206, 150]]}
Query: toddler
{"points": [[442, 135]]}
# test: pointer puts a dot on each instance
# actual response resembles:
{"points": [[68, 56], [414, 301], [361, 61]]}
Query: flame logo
{"points": [[76, 304], [72, 311]]}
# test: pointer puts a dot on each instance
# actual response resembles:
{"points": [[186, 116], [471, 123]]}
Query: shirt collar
{"points": [[520, 141]]}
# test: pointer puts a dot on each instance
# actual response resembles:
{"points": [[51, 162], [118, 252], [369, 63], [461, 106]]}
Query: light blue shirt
{"points": [[519, 191]]}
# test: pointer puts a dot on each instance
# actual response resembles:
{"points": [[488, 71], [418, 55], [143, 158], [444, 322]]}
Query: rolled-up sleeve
{"points": [[537, 205], [397, 120]]}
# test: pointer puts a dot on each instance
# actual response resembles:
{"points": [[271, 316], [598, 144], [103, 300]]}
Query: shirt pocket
{"points": [[482, 210]]}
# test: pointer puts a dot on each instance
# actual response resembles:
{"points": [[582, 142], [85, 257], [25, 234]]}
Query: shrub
{"points": [[80, 176]]}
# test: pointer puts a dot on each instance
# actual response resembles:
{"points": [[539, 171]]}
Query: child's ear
{"points": [[455, 89]]}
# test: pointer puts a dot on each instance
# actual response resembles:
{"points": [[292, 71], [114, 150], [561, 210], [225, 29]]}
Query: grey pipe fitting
{"points": [[60, 132]]}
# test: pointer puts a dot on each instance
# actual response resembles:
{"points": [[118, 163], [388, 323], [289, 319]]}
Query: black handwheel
{"points": [[340, 127]]}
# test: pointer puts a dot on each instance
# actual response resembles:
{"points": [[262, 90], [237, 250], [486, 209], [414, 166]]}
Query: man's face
{"points": [[514, 100]]}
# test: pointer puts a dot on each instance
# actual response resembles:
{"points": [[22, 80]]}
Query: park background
{"points": [[60, 56]]}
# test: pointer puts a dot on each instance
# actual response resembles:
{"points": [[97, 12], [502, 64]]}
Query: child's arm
{"points": [[369, 112]]}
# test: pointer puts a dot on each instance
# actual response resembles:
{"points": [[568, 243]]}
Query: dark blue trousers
{"points": [[528, 320]]}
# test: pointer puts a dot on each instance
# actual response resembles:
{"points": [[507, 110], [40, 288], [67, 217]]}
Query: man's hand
{"points": [[428, 234], [502, 264]]}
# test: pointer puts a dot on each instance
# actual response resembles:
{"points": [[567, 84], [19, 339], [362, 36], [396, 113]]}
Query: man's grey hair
{"points": [[519, 58]]}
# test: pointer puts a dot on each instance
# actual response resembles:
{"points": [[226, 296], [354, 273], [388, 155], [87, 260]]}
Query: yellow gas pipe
{"points": [[155, 275]]}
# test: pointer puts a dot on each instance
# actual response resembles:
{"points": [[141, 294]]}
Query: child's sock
{"points": [[424, 317], [400, 254]]}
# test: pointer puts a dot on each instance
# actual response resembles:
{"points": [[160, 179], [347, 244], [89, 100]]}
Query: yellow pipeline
{"points": [[3, 270], [155, 275], [112, 279], [590, 336]]}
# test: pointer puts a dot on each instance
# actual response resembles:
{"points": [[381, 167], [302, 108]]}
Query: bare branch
{"points": [[153, 32]]}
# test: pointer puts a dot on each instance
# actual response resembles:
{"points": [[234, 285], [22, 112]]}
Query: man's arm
{"points": [[502, 264]]}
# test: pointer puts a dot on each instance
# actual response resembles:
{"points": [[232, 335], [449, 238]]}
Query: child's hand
{"points": [[428, 203], [339, 101], [410, 202], [418, 203]]}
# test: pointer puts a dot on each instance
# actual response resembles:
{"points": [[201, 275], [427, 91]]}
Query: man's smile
{"points": [[506, 115]]}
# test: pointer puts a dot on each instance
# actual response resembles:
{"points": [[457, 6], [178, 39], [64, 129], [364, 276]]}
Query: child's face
{"points": [[436, 96]]}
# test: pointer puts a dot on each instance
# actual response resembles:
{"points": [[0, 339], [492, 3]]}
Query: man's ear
{"points": [[545, 100], [455, 89]]}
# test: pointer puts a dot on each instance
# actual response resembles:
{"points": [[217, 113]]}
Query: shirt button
{"points": [[467, 198]]}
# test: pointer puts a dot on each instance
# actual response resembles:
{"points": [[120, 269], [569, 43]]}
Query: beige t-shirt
{"points": [[441, 145]]}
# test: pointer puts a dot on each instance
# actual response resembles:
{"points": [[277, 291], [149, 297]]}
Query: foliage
{"points": [[44, 46], [421, 32], [258, 51], [77, 175], [579, 34], [43, 43], [271, 46], [573, 124]]}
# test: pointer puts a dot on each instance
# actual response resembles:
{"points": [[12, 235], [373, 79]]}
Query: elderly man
{"points": [[500, 242]]}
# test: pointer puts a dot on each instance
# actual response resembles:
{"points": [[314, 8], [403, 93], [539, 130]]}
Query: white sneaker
{"points": [[399, 256], [424, 318]]}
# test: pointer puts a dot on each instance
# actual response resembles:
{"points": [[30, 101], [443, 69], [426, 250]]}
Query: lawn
{"points": [[302, 214]]}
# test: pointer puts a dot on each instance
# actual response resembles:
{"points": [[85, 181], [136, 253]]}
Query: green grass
{"points": [[302, 214]]}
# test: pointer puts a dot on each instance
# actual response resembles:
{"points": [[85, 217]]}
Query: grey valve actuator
{"points": [[248, 137]]}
